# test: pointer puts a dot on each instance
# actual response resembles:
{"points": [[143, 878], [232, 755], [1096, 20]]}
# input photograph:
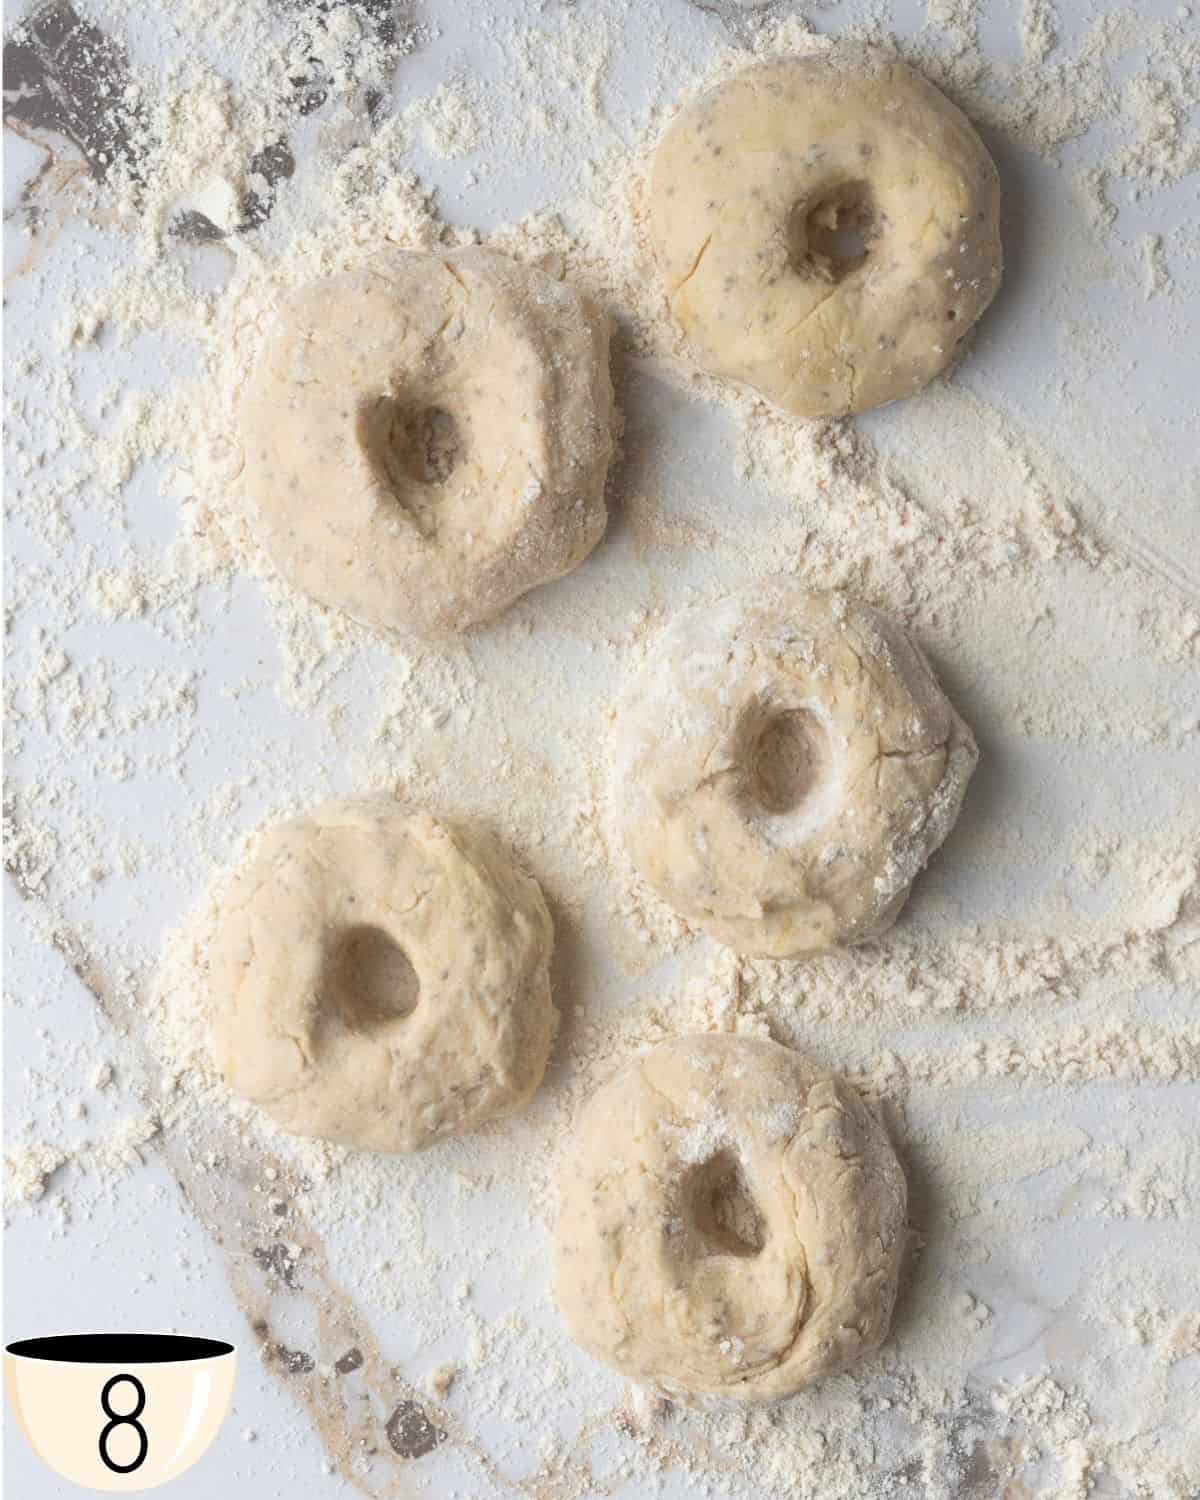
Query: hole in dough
{"points": [[722, 1207], [414, 451], [369, 979], [432, 439], [831, 238], [788, 759]]}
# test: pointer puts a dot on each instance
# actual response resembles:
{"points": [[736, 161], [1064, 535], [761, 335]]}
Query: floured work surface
{"points": [[1030, 1026]]}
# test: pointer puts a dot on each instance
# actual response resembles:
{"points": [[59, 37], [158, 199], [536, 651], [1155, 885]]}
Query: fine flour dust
{"points": [[1025, 1030]]}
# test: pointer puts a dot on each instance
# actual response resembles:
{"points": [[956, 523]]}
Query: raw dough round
{"points": [[381, 978], [427, 437], [827, 227], [786, 764], [732, 1222]]}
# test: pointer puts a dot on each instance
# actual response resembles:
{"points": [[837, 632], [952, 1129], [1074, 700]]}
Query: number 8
{"points": [[131, 1420]]}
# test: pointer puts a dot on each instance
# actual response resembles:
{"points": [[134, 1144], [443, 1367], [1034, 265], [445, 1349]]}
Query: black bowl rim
{"points": [[120, 1348]]}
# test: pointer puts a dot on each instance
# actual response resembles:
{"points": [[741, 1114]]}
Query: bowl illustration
{"points": [[119, 1411]]}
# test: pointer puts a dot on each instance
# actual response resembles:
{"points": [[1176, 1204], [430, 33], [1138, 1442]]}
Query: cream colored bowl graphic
{"points": [[119, 1411]]}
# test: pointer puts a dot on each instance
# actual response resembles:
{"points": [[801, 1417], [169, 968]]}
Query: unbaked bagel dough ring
{"points": [[427, 437], [381, 977], [732, 1222], [786, 764], [827, 227]]}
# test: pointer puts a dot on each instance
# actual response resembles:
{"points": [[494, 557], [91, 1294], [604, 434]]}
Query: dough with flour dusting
{"points": [[381, 977], [786, 764], [827, 227], [732, 1222], [427, 437]]}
